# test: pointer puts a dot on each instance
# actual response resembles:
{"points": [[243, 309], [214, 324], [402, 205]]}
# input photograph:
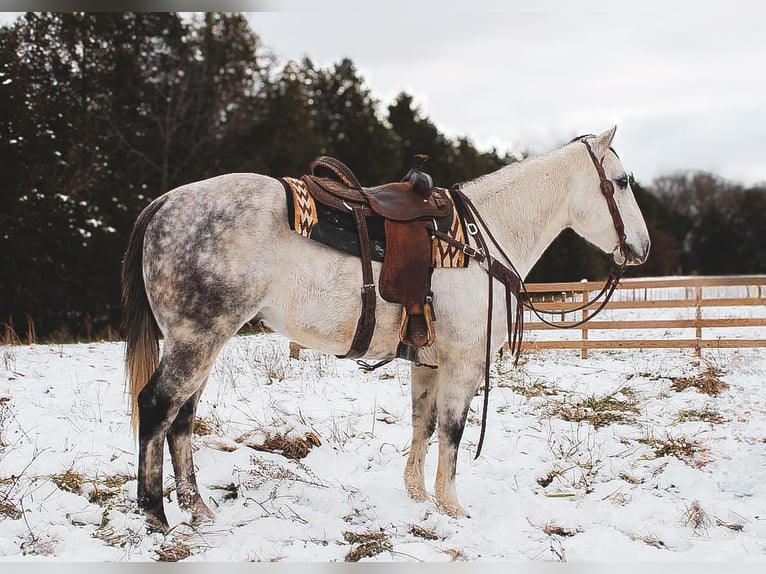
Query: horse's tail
{"points": [[142, 334]]}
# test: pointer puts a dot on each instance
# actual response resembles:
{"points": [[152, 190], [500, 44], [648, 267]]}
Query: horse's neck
{"points": [[525, 206]]}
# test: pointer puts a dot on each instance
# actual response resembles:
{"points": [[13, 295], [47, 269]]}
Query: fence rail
{"points": [[729, 294]]}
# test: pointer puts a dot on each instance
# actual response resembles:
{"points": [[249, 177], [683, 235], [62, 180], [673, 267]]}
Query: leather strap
{"points": [[365, 326], [495, 270], [607, 190]]}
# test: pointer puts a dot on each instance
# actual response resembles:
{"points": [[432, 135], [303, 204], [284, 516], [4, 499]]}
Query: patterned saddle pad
{"points": [[337, 229]]}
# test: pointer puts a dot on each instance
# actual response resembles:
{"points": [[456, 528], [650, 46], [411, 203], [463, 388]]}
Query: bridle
{"points": [[607, 190], [610, 285], [509, 276]]}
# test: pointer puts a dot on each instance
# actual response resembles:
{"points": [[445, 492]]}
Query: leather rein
{"points": [[509, 276]]}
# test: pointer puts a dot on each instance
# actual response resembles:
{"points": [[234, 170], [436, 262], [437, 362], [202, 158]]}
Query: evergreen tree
{"points": [[346, 116]]}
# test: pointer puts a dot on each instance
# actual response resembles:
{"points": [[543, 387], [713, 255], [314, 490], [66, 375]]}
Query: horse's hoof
{"points": [[157, 524], [418, 494], [453, 509], [202, 514]]}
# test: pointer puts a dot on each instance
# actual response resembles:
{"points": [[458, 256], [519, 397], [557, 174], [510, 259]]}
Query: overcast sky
{"points": [[687, 88], [686, 85]]}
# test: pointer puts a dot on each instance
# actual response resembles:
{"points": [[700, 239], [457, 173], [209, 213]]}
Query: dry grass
{"points": [[201, 427], [630, 478], [530, 389], [9, 510], [708, 382], [231, 490], [173, 551], [706, 415], [421, 532], [455, 554], [696, 518], [735, 526], [5, 414], [366, 544], [555, 530], [652, 541], [548, 478], [293, 448], [689, 451], [69, 480], [597, 411], [106, 488], [100, 490], [9, 336]]}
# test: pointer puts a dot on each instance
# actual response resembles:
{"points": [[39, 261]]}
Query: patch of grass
{"points": [[529, 388], [99, 490], [455, 554], [618, 498], [69, 480], [264, 471], [231, 490], [631, 479], [366, 544], [652, 541], [708, 382], [33, 545], [555, 530], [549, 478], [689, 451], [706, 415], [597, 411], [5, 415], [293, 448], [173, 551], [735, 526], [201, 427], [106, 488], [696, 518], [10, 510], [421, 532]]}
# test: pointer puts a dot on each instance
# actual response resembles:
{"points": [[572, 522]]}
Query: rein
{"points": [[509, 276]]}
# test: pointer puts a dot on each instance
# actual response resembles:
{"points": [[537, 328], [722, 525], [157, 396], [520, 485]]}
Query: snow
{"points": [[608, 495]]}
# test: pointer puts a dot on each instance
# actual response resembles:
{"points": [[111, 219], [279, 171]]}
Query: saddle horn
{"points": [[421, 182]]}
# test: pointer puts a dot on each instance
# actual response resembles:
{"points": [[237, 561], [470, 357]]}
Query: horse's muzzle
{"points": [[637, 255]]}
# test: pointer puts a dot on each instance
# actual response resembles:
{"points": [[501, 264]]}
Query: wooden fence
{"points": [[730, 295]]}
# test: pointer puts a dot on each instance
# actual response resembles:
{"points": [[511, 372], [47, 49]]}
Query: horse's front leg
{"points": [[456, 389], [424, 385]]}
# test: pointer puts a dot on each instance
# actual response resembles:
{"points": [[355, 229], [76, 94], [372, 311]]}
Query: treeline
{"points": [[102, 112]]}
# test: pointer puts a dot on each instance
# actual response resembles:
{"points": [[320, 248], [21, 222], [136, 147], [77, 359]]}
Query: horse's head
{"points": [[597, 172]]}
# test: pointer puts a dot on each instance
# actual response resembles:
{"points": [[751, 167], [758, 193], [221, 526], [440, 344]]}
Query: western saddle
{"points": [[410, 210]]}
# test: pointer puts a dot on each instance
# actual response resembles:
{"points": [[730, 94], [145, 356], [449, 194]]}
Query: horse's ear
{"points": [[601, 143]]}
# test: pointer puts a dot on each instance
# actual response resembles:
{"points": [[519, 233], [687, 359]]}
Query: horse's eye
{"points": [[622, 181]]}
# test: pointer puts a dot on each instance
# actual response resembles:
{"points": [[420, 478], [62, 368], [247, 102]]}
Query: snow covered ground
{"points": [[585, 460]]}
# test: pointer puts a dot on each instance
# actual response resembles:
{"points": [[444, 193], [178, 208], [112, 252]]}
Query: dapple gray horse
{"points": [[207, 257]]}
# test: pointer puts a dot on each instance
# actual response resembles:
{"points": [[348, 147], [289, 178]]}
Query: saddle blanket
{"points": [[338, 230]]}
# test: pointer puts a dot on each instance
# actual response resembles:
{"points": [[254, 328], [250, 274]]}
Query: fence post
{"points": [[697, 320], [584, 339]]}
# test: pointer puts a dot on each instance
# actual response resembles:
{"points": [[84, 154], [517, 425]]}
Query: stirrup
{"points": [[405, 324]]}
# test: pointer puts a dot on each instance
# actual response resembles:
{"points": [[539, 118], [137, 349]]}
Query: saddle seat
{"points": [[409, 208], [334, 184]]}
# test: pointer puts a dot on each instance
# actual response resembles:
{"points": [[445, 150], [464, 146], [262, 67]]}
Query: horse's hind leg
{"points": [[179, 443], [181, 373], [424, 385]]}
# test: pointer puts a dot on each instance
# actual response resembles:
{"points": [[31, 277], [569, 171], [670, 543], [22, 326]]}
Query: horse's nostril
{"points": [[639, 255]]}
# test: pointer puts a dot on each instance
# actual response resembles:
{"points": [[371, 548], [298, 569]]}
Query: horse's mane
{"points": [[519, 162]]}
